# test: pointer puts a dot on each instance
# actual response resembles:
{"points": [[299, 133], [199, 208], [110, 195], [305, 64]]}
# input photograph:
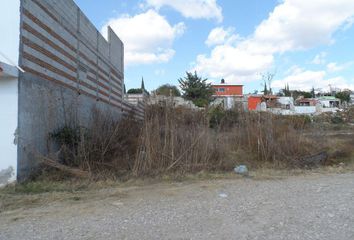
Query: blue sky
{"points": [[305, 43]]}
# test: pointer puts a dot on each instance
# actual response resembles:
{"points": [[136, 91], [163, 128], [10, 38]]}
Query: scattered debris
{"points": [[242, 170], [73, 171], [315, 160], [223, 195]]}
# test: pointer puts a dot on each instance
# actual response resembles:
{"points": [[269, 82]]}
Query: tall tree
{"points": [[287, 92], [313, 92], [142, 84], [196, 89]]}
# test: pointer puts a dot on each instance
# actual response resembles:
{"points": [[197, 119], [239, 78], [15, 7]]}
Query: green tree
{"points": [[285, 91], [168, 90], [196, 89], [344, 96], [297, 93], [142, 84], [313, 92], [135, 91]]}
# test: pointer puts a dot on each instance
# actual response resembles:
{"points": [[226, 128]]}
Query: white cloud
{"points": [[320, 58], [160, 72], [10, 29], [233, 63], [349, 23], [335, 67], [293, 25], [148, 37], [301, 79], [220, 35], [195, 9]]}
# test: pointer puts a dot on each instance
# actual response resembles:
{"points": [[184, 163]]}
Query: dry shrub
{"points": [[182, 140], [274, 139], [341, 148], [106, 147], [178, 140]]}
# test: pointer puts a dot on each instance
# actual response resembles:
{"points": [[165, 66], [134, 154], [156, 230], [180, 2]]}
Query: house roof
{"points": [[329, 98], [8, 71], [221, 85], [307, 99]]}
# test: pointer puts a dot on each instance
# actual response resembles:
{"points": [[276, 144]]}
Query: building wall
{"points": [[8, 125], [253, 102], [70, 69], [139, 102], [305, 109], [228, 90]]}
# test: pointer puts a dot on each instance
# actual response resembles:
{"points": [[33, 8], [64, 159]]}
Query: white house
{"points": [[9, 52], [8, 122], [329, 102]]}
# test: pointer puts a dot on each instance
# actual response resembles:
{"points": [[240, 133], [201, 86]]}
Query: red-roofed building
{"points": [[228, 90], [231, 95]]}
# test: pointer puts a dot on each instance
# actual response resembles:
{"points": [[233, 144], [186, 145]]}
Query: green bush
{"points": [[337, 120], [66, 135]]}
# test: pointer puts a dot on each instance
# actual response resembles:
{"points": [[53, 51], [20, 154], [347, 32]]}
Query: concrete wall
{"points": [[305, 109], [69, 70], [138, 101]]}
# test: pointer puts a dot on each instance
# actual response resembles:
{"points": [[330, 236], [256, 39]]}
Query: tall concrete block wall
{"points": [[69, 70]]}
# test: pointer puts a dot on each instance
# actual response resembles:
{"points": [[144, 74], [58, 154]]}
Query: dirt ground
{"points": [[315, 206]]}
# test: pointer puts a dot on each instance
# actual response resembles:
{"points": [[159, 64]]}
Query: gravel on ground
{"points": [[299, 207]]}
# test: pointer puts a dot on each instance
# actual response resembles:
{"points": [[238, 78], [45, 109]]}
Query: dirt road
{"points": [[302, 207]]}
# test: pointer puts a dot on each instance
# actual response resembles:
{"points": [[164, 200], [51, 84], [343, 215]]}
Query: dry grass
{"points": [[105, 149], [179, 141]]}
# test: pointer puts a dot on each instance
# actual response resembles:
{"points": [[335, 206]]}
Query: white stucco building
{"points": [[9, 53], [8, 122]]}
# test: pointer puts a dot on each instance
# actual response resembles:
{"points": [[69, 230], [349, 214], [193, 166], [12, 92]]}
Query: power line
{"points": [[11, 62]]}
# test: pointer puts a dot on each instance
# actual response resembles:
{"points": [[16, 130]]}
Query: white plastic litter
{"points": [[241, 169], [223, 195]]}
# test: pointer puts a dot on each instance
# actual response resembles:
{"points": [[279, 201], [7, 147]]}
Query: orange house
{"points": [[253, 102], [225, 90]]}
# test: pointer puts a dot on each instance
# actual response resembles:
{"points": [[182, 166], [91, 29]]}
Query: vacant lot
{"points": [[315, 206]]}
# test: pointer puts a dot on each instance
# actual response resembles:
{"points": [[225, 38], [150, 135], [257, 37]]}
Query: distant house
{"points": [[8, 121], [229, 94], [329, 102], [255, 102], [228, 90], [306, 102], [286, 102]]}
